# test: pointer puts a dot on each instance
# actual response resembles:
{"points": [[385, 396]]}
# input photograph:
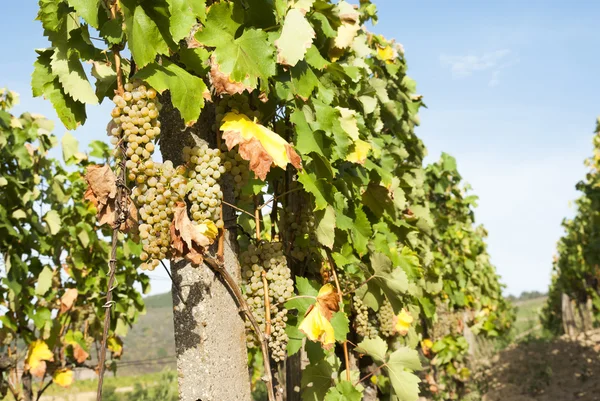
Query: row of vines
{"points": [[576, 265], [285, 123]]}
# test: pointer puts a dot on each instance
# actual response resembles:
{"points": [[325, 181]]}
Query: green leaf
{"points": [[183, 15], [361, 231], [343, 391], [106, 78], [52, 218], [44, 281], [3, 182], [325, 220], [42, 73], [405, 384], [186, 89], [307, 139], [70, 112], [341, 325], [316, 381], [404, 357], [308, 291], [88, 10], [195, 60], [70, 148], [41, 317], [392, 281], [376, 348], [72, 77], [245, 58], [145, 27], [296, 37], [377, 198], [320, 188], [112, 31], [19, 214], [314, 58]]}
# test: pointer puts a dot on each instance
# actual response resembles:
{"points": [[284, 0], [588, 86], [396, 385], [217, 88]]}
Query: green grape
{"points": [[385, 317], [268, 258]]}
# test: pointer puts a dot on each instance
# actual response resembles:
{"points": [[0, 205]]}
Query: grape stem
{"points": [[177, 288], [218, 267], [238, 209], [341, 297], [278, 196], [121, 215]]}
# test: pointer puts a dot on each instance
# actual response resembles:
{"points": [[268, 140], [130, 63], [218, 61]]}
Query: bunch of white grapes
{"points": [[385, 316], [299, 222], [364, 323], [204, 169], [156, 198], [136, 123], [268, 259]]}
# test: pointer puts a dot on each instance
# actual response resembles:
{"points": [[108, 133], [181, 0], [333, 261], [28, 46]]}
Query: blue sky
{"points": [[512, 92]]}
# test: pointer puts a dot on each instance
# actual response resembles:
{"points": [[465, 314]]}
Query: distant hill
{"points": [[150, 343], [159, 301]]}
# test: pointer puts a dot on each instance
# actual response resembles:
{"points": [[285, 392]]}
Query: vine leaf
{"points": [[146, 38], [72, 77], [296, 37], [37, 356], [101, 191], [343, 391], [404, 383], [63, 377], [190, 240], [316, 381], [325, 220], [52, 219], [244, 58], [222, 82], [88, 10], [258, 144], [316, 324], [392, 281], [359, 151], [183, 14], [403, 322], [44, 281], [186, 89], [376, 348], [68, 299]]}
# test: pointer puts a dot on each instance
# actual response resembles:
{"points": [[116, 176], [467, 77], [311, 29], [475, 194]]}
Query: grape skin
{"points": [[267, 259]]}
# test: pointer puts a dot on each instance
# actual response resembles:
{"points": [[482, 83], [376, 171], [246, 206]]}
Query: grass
{"points": [[82, 386], [528, 316]]}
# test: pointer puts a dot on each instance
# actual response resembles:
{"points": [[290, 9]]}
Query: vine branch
{"points": [[120, 216], [245, 309]]}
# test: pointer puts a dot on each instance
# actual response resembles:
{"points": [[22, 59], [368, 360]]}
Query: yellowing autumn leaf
{"points": [[63, 377], [387, 54], [426, 343], [36, 357], [316, 323], [257, 144], [346, 34], [403, 322], [360, 152]]}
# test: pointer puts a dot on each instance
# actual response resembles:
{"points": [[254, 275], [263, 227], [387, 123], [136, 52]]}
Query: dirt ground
{"points": [[537, 370]]}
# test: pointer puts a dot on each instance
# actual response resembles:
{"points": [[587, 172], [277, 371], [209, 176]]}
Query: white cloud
{"points": [[465, 66]]}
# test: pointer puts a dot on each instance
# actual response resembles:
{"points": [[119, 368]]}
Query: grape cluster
{"points": [[300, 223], [268, 259], [135, 119], [156, 198], [365, 323], [385, 316], [204, 171]]}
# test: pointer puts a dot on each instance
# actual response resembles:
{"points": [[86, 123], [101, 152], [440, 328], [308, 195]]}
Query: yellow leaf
{"points": [[63, 377], [317, 328], [257, 144], [403, 322], [316, 323], [360, 152], [387, 54], [38, 353], [426, 343], [209, 229]]}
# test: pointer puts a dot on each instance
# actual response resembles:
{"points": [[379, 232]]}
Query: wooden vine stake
{"points": [[121, 215]]}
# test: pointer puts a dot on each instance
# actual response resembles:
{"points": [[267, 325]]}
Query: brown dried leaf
{"points": [[328, 300], [102, 185], [190, 240], [68, 299], [222, 82], [79, 353]]}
